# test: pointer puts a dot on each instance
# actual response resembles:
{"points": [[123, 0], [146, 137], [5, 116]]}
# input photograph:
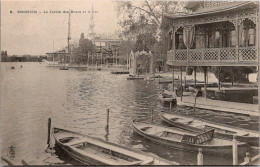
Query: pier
{"points": [[217, 105]]}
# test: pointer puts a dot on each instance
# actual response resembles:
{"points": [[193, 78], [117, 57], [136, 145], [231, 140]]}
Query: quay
{"points": [[217, 105]]}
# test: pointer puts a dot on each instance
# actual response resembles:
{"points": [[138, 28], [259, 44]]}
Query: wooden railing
{"points": [[214, 55]]}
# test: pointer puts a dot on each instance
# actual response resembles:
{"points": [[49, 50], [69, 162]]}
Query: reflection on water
{"points": [[78, 100]]}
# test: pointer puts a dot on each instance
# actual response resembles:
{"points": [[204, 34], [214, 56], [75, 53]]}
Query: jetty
{"points": [[217, 105]]}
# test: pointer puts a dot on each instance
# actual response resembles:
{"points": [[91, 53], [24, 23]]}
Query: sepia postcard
{"points": [[149, 82]]}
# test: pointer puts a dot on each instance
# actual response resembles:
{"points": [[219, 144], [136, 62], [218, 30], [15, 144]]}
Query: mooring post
{"points": [[200, 157], [205, 81], [195, 82], [152, 115], [247, 158], [107, 119], [49, 131], [219, 78], [234, 147], [184, 82]]}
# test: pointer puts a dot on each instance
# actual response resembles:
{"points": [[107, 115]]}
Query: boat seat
{"points": [[67, 139], [206, 136]]}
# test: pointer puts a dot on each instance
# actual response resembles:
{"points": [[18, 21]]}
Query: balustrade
{"points": [[214, 55]]}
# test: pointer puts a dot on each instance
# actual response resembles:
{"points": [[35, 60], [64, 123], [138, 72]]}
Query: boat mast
{"points": [[69, 38]]}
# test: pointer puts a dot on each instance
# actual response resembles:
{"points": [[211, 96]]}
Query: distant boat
{"points": [[131, 77], [64, 68], [94, 151], [200, 125], [12, 68], [186, 140]]}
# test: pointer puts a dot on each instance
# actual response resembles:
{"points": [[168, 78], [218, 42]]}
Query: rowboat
{"points": [[131, 77], [94, 151], [189, 141], [200, 125], [167, 97]]}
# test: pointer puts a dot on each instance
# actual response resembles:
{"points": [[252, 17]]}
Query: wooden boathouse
{"points": [[213, 33]]}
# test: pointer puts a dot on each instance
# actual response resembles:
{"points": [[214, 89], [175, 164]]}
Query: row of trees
{"points": [[25, 58]]}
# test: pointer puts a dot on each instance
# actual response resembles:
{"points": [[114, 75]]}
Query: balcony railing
{"points": [[203, 56]]}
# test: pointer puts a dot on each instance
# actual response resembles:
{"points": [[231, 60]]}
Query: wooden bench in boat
{"points": [[199, 139]]}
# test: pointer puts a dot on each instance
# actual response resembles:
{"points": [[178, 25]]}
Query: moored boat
{"points": [[167, 97], [189, 141], [200, 125], [95, 151]]}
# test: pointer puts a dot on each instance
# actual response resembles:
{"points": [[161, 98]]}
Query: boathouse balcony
{"points": [[242, 56], [227, 37]]}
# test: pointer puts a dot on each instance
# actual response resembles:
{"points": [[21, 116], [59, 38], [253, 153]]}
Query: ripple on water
{"points": [[77, 100]]}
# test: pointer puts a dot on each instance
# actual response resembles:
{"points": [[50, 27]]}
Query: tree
{"points": [[142, 23], [85, 47], [136, 17]]}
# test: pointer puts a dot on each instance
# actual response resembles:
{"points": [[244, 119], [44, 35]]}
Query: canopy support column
{"points": [[181, 82], [173, 78], [233, 77], [219, 78], [205, 80], [195, 77]]}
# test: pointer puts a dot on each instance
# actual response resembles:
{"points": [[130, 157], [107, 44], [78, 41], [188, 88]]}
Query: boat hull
{"points": [[216, 150], [88, 160], [254, 141]]}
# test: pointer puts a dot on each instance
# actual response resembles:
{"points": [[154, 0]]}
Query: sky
{"points": [[39, 33]]}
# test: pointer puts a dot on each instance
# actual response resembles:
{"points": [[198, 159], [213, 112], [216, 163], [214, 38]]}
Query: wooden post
{"points": [[173, 78], [233, 77], [195, 79], [247, 158], [181, 83], [219, 78], [170, 106], [152, 115], [195, 101], [200, 157], [49, 131], [234, 147], [205, 78], [107, 126], [184, 83]]}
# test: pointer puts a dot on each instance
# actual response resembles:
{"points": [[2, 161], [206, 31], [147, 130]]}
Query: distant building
{"points": [[58, 57], [4, 56], [107, 47]]}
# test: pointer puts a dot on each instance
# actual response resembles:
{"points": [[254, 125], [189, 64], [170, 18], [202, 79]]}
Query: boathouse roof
{"points": [[199, 8]]}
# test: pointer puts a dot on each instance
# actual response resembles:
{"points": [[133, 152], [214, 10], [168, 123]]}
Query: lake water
{"points": [[78, 100]]}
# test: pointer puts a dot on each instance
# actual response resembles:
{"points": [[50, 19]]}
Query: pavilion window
{"points": [[210, 39], [200, 37], [247, 31], [179, 39], [228, 35], [233, 38], [217, 39]]}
